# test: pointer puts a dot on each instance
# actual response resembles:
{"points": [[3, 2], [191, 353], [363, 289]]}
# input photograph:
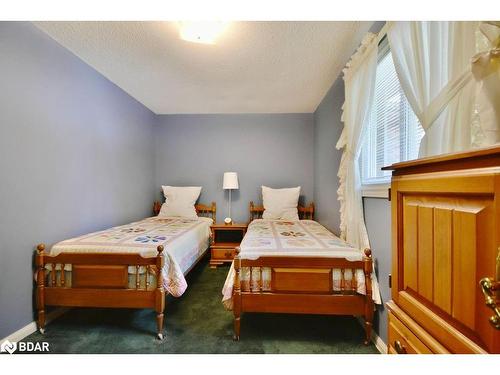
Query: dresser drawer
{"points": [[223, 254], [402, 340]]}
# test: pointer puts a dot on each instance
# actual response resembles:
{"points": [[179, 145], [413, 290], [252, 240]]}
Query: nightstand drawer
{"points": [[223, 253]]}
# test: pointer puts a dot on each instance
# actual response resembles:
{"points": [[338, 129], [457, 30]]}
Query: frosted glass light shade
{"points": [[230, 181]]}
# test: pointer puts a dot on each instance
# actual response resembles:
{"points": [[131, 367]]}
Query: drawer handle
{"points": [[489, 286], [228, 254], [400, 348], [491, 292]]}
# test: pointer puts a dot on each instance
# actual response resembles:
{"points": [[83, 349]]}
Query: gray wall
{"points": [[378, 224], [274, 150], [327, 129], [75, 156]]}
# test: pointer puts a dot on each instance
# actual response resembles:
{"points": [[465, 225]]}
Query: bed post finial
{"points": [[251, 211], [160, 249], [40, 286], [156, 207], [214, 212], [368, 252]]}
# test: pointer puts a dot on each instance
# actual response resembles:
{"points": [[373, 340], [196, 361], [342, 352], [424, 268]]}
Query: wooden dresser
{"points": [[445, 243]]}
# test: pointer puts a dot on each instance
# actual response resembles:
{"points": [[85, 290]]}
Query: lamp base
{"points": [[228, 221]]}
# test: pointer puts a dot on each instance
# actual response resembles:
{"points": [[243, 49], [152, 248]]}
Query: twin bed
{"points": [[129, 266], [298, 266], [281, 266]]}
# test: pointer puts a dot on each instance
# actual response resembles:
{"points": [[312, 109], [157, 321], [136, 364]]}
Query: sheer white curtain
{"points": [[486, 71], [359, 78], [432, 60]]}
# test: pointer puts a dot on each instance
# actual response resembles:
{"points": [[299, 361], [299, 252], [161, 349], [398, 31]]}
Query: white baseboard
{"points": [[32, 327], [377, 341]]}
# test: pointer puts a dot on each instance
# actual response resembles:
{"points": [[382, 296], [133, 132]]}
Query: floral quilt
{"points": [[184, 239], [293, 238]]}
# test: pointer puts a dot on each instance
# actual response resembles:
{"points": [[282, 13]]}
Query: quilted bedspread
{"points": [[184, 239], [295, 238]]}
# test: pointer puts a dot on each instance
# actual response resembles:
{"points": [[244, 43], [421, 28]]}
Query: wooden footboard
{"points": [[304, 285], [100, 280]]}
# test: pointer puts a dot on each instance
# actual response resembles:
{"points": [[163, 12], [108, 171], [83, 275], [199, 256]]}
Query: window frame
{"points": [[376, 190]]}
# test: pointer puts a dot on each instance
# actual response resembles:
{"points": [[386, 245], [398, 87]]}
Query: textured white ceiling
{"points": [[255, 67]]}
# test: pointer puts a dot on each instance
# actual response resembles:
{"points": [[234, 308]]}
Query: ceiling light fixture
{"points": [[205, 32]]}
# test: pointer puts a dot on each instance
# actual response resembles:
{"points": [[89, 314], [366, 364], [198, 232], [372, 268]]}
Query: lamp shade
{"points": [[230, 181]]}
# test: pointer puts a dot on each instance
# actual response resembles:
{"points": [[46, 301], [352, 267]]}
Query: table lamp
{"points": [[230, 182]]}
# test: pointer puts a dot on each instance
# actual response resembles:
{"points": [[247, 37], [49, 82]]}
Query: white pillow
{"points": [[180, 200], [280, 203]]}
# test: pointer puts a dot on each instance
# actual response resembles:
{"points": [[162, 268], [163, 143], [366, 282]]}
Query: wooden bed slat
{"points": [[298, 280], [93, 276], [334, 304], [90, 297]]}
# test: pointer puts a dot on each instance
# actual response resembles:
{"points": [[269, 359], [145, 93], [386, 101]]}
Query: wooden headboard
{"points": [[201, 209], [305, 213]]}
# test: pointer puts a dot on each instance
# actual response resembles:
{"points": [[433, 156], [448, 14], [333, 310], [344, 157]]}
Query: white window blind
{"points": [[394, 132]]}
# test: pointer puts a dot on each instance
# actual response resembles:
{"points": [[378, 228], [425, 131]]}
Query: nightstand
{"points": [[225, 238]]}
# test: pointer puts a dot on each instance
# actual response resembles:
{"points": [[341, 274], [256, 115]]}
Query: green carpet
{"points": [[198, 323]]}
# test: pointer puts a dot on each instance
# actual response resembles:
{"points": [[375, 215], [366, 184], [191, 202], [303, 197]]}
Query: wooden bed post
{"points": [[237, 295], [368, 268], [251, 211], [160, 292], [214, 212], [40, 286], [156, 207], [311, 207]]}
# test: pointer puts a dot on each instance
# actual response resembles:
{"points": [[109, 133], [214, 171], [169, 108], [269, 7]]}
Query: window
{"points": [[394, 132]]}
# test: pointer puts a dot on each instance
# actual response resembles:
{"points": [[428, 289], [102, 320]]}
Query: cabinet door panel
{"points": [[446, 242], [442, 258]]}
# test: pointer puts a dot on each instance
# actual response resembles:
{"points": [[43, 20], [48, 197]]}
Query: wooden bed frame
{"points": [[102, 279], [304, 285]]}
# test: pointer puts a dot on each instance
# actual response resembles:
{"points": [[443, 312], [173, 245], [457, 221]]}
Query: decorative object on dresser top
{"points": [[287, 266], [129, 266], [445, 254], [225, 239], [230, 182]]}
